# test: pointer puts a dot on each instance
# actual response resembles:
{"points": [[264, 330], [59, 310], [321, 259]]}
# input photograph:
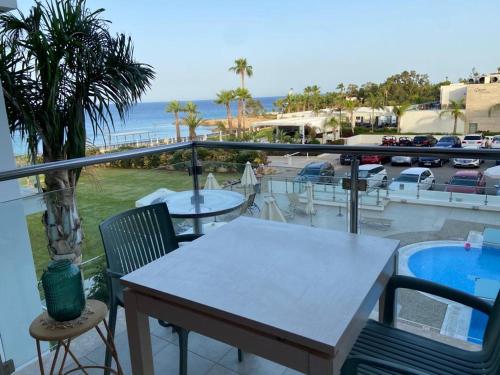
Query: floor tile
{"points": [[206, 347], [167, 362], [251, 364], [219, 370]]}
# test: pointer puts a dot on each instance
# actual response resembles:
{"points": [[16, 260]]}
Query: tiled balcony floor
{"points": [[206, 356]]}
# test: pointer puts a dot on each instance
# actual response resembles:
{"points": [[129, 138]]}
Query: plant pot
{"points": [[62, 284]]}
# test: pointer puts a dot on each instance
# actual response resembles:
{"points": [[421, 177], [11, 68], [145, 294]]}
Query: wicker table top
{"points": [[45, 328]]}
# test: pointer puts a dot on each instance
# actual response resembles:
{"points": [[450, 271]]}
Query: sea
{"points": [[151, 117]]}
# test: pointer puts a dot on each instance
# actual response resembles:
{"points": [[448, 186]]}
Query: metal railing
{"points": [[355, 151]]}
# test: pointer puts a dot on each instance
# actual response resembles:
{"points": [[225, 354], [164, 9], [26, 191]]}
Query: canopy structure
{"points": [[316, 123]]}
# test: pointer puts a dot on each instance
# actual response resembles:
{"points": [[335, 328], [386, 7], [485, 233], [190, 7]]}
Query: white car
{"points": [[375, 174], [495, 141], [399, 160], [471, 163], [473, 140], [413, 179]]}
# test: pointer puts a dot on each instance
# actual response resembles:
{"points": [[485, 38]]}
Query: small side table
{"points": [[44, 328]]}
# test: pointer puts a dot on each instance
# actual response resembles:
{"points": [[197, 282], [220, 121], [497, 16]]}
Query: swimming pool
{"points": [[450, 264]]}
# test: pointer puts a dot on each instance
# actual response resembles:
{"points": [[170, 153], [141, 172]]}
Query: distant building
{"points": [[479, 96]]}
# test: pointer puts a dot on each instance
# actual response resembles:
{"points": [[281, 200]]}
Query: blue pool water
{"points": [[453, 266]]}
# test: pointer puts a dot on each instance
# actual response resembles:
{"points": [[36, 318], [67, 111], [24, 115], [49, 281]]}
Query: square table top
{"points": [[299, 283]]}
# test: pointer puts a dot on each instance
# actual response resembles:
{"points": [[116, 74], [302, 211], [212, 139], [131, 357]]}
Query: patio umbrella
{"points": [[211, 183], [271, 211], [493, 172], [248, 178], [310, 210]]}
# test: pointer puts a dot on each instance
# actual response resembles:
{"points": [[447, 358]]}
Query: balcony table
{"points": [[195, 205], [292, 294]]}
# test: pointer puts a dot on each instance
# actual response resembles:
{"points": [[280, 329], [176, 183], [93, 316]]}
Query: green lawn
{"points": [[103, 192]]}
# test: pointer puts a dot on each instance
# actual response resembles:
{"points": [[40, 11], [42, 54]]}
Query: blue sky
{"points": [[292, 43]]}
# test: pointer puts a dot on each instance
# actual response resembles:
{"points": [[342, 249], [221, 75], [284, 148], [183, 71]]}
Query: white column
{"points": [[19, 297]]}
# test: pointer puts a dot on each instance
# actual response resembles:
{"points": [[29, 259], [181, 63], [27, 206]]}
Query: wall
{"points": [[480, 98], [455, 92], [429, 122]]}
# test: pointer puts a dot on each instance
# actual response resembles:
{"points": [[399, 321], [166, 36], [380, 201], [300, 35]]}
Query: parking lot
{"points": [[442, 174]]}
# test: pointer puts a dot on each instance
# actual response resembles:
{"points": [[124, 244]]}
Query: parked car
{"points": [[472, 182], [466, 163], [424, 140], [473, 140], [431, 161], [374, 159], [449, 141], [389, 140], [317, 172], [495, 141], [405, 141], [403, 160], [413, 179], [345, 159], [375, 174]]}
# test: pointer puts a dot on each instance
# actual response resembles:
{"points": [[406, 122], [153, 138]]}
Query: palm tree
{"points": [[191, 108], [175, 107], [331, 124], [242, 68], [242, 95], [351, 106], [60, 66], [225, 97], [399, 111], [454, 110], [340, 104], [374, 102], [192, 120]]}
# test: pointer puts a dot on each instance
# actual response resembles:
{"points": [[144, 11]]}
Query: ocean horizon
{"points": [[151, 117]]}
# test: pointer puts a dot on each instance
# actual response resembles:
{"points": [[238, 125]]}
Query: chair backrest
{"points": [[251, 199], [491, 339], [137, 237]]}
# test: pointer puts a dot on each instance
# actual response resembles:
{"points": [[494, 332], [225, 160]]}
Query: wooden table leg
{"points": [[319, 365], [139, 337], [40, 359]]}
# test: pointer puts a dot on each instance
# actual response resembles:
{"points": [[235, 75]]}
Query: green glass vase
{"points": [[63, 287]]}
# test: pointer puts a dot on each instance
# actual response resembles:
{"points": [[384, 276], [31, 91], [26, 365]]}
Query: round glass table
{"points": [[205, 203]]}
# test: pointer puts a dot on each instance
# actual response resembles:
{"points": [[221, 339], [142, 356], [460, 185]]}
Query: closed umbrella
{"points": [[310, 210], [248, 179], [271, 211], [211, 183]]}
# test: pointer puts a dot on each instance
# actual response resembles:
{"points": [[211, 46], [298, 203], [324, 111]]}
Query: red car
{"points": [[471, 182], [374, 159], [389, 140]]}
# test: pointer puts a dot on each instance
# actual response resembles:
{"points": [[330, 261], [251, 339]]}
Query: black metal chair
{"points": [[131, 240], [382, 349], [251, 205]]}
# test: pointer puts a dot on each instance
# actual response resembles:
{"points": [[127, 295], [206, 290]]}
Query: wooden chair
{"points": [[131, 240], [382, 349]]}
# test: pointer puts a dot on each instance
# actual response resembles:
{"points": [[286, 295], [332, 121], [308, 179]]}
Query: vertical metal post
{"points": [[353, 209], [196, 189]]}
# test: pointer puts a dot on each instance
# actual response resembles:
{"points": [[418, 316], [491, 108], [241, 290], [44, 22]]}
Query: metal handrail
{"points": [[492, 154]]}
